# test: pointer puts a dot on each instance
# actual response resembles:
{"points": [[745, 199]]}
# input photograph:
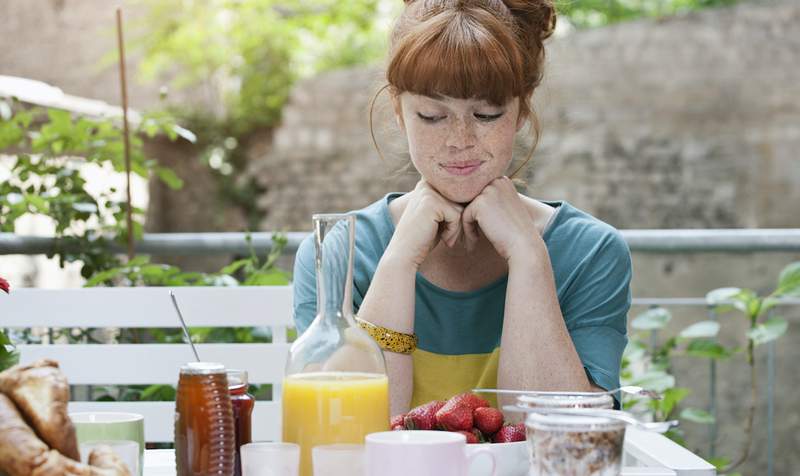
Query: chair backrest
{"points": [[151, 307]]}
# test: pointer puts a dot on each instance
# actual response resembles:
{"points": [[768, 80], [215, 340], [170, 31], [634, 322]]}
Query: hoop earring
{"points": [[371, 129]]}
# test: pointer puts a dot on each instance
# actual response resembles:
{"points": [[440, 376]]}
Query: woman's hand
{"points": [[427, 218], [500, 214]]}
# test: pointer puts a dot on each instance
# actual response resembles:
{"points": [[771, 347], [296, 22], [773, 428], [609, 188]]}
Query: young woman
{"points": [[480, 286]]}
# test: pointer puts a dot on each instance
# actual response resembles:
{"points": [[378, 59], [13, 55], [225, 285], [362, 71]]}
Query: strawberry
{"points": [[397, 420], [509, 433], [471, 437], [4, 285], [454, 416], [423, 417], [398, 427], [488, 419], [469, 399]]}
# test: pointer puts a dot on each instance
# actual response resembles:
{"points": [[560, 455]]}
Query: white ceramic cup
{"points": [[420, 453], [338, 460], [270, 459]]}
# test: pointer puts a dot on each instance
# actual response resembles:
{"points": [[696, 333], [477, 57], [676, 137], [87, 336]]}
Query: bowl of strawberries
{"points": [[483, 427]]}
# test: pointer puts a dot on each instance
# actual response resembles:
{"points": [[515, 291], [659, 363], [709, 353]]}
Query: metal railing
{"points": [[641, 241]]}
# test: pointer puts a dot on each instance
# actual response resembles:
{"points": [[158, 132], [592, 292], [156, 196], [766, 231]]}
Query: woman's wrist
{"points": [[399, 261], [527, 253]]}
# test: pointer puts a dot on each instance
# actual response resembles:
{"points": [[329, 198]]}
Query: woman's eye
{"points": [[488, 117], [430, 118]]}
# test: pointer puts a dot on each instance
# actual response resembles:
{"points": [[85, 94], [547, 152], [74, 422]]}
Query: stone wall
{"points": [[688, 122]]}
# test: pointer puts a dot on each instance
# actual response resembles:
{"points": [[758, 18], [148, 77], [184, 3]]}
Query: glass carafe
{"points": [[335, 388]]}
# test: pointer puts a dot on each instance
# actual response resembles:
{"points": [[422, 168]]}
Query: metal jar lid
{"points": [[572, 423], [566, 400], [202, 368]]}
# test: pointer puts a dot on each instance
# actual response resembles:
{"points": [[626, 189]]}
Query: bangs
{"points": [[460, 54]]}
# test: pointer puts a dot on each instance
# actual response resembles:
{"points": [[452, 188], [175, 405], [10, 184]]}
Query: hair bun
{"points": [[537, 17]]}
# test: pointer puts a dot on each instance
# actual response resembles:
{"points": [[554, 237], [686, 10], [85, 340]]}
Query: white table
{"points": [[162, 463]]}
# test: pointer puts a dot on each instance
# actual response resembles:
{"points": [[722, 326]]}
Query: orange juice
{"points": [[333, 407]]}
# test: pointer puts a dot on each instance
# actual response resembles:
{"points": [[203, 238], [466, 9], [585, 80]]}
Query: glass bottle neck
{"points": [[335, 238]]}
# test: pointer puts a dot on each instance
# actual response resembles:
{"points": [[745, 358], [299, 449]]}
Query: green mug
{"points": [[123, 432]]}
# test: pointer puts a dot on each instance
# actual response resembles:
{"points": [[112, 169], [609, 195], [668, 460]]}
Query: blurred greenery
{"points": [[254, 50], [245, 56], [49, 150], [595, 13]]}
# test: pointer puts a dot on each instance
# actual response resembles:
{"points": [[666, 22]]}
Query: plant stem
{"points": [[751, 411], [125, 132]]}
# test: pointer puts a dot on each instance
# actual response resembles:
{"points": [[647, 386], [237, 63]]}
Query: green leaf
{"points": [[651, 319], [726, 299], [697, 415], [158, 393], [657, 380], [672, 396], [273, 277], [770, 330], [706, 348], [700, 329], [235, 266], [8, 358], [168, 177], [103, 276], [789, 280]]}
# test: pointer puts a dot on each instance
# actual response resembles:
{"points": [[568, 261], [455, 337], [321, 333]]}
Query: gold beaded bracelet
{"points": [[387, 339]]}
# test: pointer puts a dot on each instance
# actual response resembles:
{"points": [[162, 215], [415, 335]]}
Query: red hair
{"points": [[471, 49]]}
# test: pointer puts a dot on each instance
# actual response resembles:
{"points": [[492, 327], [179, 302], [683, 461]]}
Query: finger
{"points": [[453, 227], [470, 226]]}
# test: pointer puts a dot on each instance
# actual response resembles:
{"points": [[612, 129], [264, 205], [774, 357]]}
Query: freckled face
{"points": [[458, 145]]}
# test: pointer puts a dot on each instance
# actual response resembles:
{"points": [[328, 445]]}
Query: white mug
{"points": [[420, 453]]}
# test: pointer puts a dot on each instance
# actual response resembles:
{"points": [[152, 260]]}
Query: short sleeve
{"points": [[596, 310], [304, 285]]}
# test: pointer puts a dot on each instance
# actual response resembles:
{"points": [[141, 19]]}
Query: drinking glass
{"points": [[270, 459], [338, 460]]}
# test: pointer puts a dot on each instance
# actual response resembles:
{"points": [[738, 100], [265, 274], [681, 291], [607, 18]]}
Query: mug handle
{"points": [[488, 453]]}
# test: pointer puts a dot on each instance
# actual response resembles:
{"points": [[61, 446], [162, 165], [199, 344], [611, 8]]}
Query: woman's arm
{"points": [[427, 218], [534, 330], [390, 303]]}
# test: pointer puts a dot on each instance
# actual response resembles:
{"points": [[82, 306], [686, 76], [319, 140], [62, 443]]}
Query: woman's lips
{"points": [[462, 168]]}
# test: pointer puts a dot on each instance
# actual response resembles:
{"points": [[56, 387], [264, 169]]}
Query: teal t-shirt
{"points": [[459, 332]]}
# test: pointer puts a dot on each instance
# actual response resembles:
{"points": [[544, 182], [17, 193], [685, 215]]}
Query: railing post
{"points": [[770, 406]]}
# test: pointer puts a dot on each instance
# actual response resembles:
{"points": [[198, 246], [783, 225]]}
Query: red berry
{"points": [[4, 285], [423, 417], [398, 427], [508, 434], [488, 419], [471, 438], [454, 417], [469, 399], [397, 420]]}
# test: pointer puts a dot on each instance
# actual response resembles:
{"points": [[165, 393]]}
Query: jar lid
{"points": [[566, 400], [572, 423], [202, 368]]}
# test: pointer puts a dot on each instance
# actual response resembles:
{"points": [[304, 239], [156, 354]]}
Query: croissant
{"points": [[36, 390], [41, 393]]}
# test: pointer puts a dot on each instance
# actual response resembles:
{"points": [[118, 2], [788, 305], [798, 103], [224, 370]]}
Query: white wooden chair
{"points": [[118, 364]]}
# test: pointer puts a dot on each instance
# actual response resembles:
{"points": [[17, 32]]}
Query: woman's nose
{"points": [[461, 136]]}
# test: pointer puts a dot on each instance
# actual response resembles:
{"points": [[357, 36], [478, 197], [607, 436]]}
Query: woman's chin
{"points": [[460, 196]]}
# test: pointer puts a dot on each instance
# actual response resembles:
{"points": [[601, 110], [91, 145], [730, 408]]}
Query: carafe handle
{"points": [[471, 458]]}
